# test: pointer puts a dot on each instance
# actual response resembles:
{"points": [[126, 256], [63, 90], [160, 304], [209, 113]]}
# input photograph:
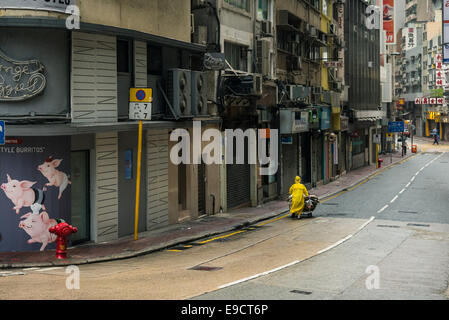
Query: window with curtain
{"points": [[242, 4], [236, 55], [262, 9]]}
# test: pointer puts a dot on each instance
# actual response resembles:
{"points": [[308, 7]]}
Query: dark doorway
{"points": [[80, 189]]}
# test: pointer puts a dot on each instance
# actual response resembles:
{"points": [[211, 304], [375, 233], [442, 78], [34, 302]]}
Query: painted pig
{"points": [[37, 225], [55, 177], [22, 194]]}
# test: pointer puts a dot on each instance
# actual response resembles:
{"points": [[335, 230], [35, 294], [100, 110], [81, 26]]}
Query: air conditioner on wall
{"points": [[179, 91], [199, 93], [267, 27]]}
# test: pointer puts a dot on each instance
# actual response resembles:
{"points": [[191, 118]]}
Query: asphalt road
{"points": [[387, 238], [402, 254]]}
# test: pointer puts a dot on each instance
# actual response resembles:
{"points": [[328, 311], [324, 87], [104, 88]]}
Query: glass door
{"points": [[80, 196]]}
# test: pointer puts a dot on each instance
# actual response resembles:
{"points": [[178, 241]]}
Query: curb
{"points": [[159, 247]]}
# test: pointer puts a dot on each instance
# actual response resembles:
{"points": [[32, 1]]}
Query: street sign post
{"points": [[396, 126], [2, 132], [140, 103]]}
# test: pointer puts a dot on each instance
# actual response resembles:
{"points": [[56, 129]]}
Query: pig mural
{"points": [[22, 194], [37, 225], [55, 177]]}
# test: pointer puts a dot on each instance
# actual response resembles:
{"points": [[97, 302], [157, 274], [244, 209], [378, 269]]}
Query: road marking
{"points": [[402, 191], [394, 199], [259, 274], [381, 210], [413, 178], [49, 269], [221, 237], [335, 244], [366, 223], [30, 269], [407, 185], [296, 261]]}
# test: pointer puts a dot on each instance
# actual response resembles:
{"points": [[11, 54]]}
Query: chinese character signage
{"points": [[388, 19], [410, 37], [446, 31]]}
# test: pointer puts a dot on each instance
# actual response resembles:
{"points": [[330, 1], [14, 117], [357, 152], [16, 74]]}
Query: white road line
{"points": [[49, 269], [259, 274], [381, 210], [401, 191], [366, 223], [413, 178], [296, 261], [335, 244], [30, 269], [394, 199], [407, 185]]}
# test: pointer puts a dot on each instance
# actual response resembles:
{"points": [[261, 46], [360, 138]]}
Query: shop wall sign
{"points": [[35, 193], [20, 80], [325, 119], [46, 5]]}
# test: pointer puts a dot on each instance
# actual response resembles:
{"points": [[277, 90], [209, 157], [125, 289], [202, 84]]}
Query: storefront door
{"points": [[80, 195]]}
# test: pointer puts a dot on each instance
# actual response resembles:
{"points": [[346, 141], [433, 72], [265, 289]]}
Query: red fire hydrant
{"points": [[62, 230], [380, 162]]}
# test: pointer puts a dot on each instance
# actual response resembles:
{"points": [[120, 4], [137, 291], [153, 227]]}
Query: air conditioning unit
{"points": [[313, 32], [199, 93], [179, 91], [298, 92], [263, 56], [267, 27]]}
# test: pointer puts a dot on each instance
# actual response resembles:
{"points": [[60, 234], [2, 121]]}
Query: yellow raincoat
{"points": [[298, 191]]}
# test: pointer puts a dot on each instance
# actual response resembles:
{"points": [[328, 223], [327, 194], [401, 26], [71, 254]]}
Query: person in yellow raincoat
{"points": [[297, 191]]}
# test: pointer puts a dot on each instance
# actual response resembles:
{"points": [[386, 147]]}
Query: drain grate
{"points": [[418, 225], [330, 204], [387, 226], [336, 214], [403, 211], [301, 292], [205, 268]]}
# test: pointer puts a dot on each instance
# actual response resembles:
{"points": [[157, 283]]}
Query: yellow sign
{"points": [[144, 95]]}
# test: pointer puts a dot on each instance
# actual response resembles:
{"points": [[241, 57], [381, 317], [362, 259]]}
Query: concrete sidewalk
{"points": [[173, 235]]}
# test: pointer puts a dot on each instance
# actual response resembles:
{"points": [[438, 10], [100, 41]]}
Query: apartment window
{"points": [[237, 56], [316, 4], [125, 75], [326, 7], [124, 54], [154, 60], [242, 4], [263, 9]]}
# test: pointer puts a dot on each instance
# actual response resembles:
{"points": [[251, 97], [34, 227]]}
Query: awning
{"points": [[43, 22]]}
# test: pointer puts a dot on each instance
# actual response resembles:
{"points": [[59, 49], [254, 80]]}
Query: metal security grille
{"points": [[289, 164], [201, 189], [237, 184]]}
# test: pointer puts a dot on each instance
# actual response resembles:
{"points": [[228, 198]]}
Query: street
{"points": [[394, 226]]}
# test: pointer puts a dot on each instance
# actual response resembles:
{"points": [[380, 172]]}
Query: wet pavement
{"points": [[184, 232]]}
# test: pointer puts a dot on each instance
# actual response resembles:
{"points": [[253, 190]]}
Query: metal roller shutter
{"points": [[290, 164], [237, 185]]}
